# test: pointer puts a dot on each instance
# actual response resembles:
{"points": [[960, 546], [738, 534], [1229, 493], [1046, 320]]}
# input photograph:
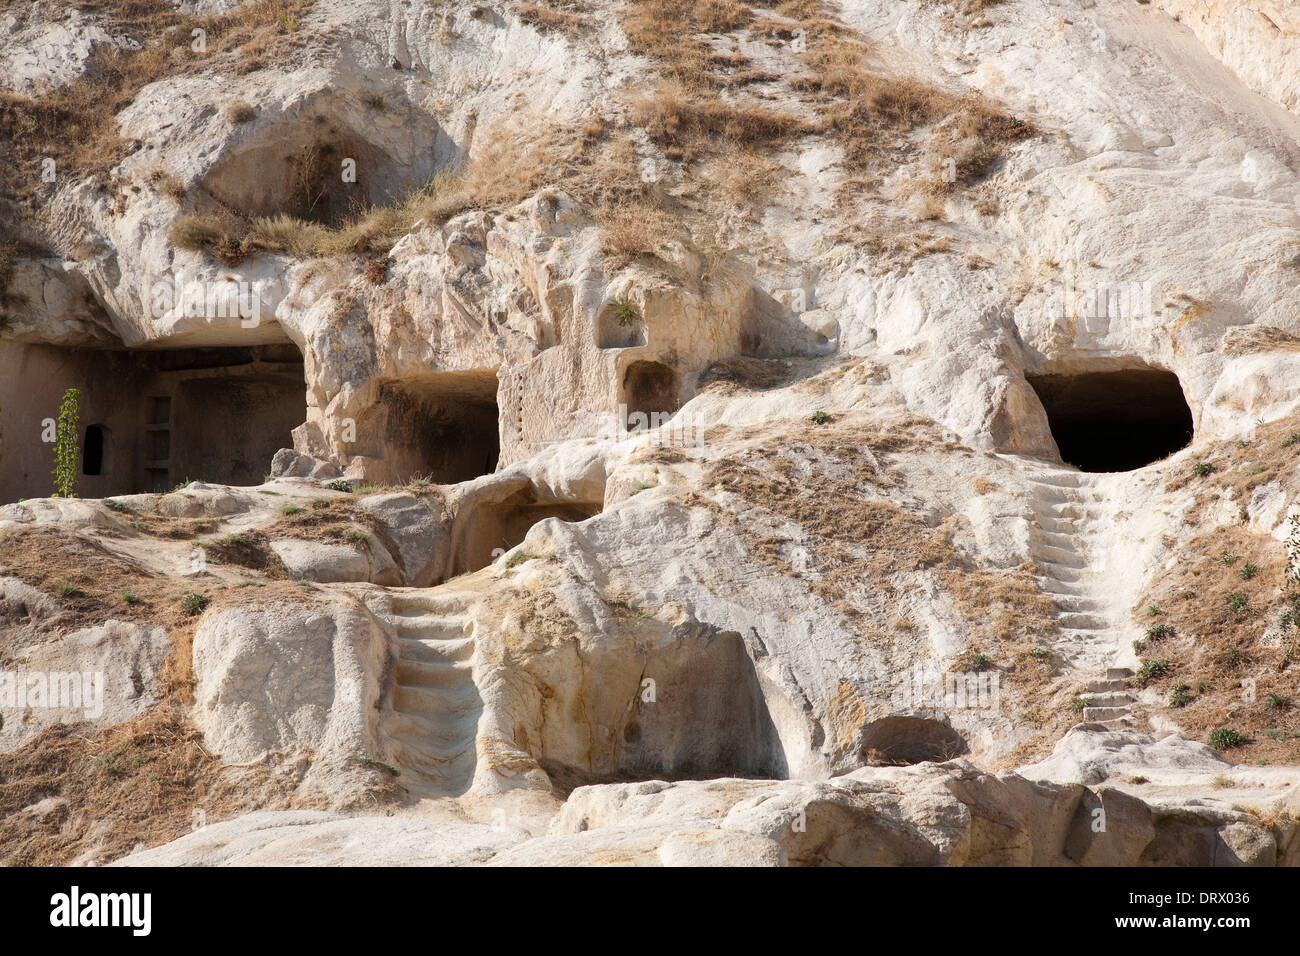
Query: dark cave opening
{"points": [[651, 389], [442, 425], [909, 740], [1115, 420], [153, 417]]}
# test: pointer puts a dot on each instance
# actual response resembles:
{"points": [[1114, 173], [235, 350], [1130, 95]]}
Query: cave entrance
{"points": [[152, 417], [1115, 420], [909, 740], [488, 529], [652, 389], [442, 426]]}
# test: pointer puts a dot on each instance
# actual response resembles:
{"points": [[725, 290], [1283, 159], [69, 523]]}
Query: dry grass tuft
{"points": [[571, 18], [684, 125]]}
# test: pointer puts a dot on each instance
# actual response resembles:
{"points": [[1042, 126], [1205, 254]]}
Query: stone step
{"points": [[1119, 673], [1060, 479], [450, 764], [1063, 588], [429, 601], [1119, 723], [1104, 686], [1073, 508], [1046, 554], [432, 623], [437, 737], [1053, 539], [1074, 602], [1104, 713], [442, 675], [1109, 699], [434, 650], [442, 708], [1083, 622]]}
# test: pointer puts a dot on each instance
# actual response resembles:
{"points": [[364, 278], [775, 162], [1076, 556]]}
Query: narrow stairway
{"points": [[1064, 546], [434, 702]]}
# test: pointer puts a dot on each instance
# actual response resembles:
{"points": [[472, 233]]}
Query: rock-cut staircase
{"points": [[434, 704], [1065, 544]]}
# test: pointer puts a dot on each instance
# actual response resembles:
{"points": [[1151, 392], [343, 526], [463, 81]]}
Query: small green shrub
{"points": [[1247, 571], [1152, 670], [112, 505], [69, 590], [980, 661], [1233, 657], [518, 558], [819, 418], [626, 313], [1228, 560], [1202, 469], [194, 603], [1290, 439], [287, 510], [1181, 696], [340, 484], [1225, 737], [1276, 702], [1158, 632], [1238, 603]]}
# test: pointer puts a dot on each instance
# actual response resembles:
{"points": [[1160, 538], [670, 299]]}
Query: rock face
{"points": [[101, 675], [590, 448], [289, 679]]}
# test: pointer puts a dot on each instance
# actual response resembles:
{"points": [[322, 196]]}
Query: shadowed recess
{"points": [[1115, 420]]}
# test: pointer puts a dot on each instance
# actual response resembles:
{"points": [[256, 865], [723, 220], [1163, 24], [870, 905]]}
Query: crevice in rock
{"points": [[618, 329], [312, 169], [703, 715]]}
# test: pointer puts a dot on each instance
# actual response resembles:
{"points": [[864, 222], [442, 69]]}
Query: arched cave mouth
{"points": [[313, 169], [1116, 420], [909, 740], [488, 529]]}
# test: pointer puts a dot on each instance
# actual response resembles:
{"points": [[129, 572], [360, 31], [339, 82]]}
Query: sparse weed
{"points": [[1225, 738], [1152, 670]]}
